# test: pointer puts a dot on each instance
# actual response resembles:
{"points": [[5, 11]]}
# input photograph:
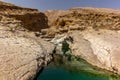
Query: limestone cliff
{"points": [[28, 18], [94, 33], [22, 53], [82, 18]]}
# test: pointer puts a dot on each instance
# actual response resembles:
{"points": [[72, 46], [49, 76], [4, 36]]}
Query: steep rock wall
{"points": [[22, 53], [30, 19], [95, 34]]}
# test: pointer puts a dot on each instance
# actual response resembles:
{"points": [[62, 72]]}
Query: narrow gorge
{"points": [[30, 40]]}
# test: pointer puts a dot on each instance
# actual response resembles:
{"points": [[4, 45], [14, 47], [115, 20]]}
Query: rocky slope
{"points": [[28, 18], [92, 34], [89, 33], [22, 52], [82, 18]]}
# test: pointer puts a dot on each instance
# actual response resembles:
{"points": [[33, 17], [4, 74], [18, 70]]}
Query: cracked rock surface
{"points": [[95, 33], [100, 48], [92, 34], [22, 53]]}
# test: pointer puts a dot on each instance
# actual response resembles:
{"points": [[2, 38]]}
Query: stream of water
{"points": [[71, 68]]}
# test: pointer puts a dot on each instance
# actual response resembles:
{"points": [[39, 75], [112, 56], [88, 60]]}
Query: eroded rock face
{"points": [[100, 48], [22, 59], [92, 34], [22, 53], [81, 19], [26, 17], [95, 34]]}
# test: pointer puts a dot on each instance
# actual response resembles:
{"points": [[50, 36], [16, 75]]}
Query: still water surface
{"points": [[67, 68]]}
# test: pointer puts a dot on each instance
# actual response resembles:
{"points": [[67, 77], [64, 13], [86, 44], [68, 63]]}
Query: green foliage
{"points": [[65, 47]]}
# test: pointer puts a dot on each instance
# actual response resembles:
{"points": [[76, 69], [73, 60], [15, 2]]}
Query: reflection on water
{"points": [[73, 68]]}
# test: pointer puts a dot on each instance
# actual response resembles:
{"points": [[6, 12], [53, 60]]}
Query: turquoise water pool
{"points": [[65, 68]]}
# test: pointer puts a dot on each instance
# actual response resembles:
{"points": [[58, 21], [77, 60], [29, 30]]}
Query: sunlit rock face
{"points": [[28, 18], [101, 48], [90, 33], [22, 52], [21, 58], [94, 33]]}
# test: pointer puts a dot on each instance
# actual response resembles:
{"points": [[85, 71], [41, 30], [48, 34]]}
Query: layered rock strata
{"points": [[22, 52], [90, 33], [94, 34]]}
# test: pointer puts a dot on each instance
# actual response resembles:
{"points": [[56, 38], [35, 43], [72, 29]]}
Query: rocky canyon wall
{"points": [[95, 34], [28, 38], [22, 53]]}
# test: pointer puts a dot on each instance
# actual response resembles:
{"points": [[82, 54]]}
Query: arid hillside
{"points": [[82, 18], [30, 19], [28, 38], [92, 34]]}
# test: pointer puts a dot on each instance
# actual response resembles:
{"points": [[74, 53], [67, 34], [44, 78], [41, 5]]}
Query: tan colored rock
{"points": [[100, 48], [22, 54], [26, 17], [83, 18], [93, 47], [95, 33]]}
